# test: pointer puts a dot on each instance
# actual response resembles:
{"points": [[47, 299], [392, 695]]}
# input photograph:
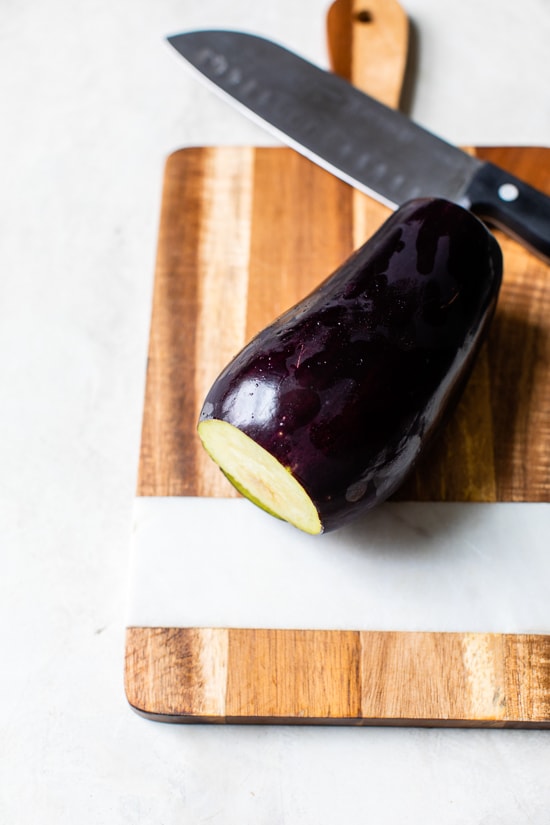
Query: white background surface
{"points": [[91, 103]]}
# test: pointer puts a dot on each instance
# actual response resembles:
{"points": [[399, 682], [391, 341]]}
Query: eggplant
{"points": [[324, 413]]}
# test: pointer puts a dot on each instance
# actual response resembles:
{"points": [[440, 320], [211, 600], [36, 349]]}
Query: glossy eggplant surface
{"points": [[325, 412]]}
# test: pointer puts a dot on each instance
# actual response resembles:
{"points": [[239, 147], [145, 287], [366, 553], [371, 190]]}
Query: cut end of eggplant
{"points": [[258, 475]]}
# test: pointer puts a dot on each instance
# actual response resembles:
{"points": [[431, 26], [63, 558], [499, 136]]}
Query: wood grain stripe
{"points": [[220, 326], [483, 658], [528, 677], [368, 216], [293, 675], [168, 455], [177, 672], [339, 37], [344, 677], [286, 264], [519, 351], [368, 44]]}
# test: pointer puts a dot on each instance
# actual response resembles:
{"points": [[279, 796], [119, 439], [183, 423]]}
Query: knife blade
{"points": [[372, 147]]}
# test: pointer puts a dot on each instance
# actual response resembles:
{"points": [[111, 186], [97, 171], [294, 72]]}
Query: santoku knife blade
{"points": [[374, 148]]}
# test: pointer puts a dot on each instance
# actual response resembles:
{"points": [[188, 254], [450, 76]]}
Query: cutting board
{"points": [[245, 233]]}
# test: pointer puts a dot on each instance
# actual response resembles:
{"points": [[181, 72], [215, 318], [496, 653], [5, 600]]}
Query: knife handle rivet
{"points": [[508, 192]]}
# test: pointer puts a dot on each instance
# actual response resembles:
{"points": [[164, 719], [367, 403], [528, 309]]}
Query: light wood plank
{"points": [[294, 244], [293, 675], [222, 285]]}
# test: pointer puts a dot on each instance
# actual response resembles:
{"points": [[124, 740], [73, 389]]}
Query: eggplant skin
{"points": [[347, 388]]}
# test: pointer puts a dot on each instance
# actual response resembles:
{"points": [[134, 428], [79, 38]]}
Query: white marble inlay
{"points": [[407, 566]]}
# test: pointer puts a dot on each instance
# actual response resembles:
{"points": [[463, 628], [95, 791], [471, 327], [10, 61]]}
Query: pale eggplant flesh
{"points": [[325, 412]]}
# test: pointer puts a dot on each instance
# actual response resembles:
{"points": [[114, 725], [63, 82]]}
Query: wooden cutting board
{"points": [[244, 234]]}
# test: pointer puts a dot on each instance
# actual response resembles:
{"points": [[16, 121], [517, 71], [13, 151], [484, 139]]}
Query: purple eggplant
{"points": [[325, 412]]}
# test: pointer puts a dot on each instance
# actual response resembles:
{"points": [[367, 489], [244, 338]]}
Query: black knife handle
{"points": [[511, 204]]}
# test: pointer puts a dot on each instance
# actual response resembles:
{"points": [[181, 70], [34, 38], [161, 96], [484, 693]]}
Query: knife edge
{"points": [[361, 141]]}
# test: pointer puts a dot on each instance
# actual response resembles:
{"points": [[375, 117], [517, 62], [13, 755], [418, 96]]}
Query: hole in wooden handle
{"points": [[364, 16]]}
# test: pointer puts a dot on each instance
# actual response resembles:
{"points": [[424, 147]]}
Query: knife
{"points": [[374, 148]]}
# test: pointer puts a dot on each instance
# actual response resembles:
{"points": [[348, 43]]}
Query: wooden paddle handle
{"points": [[368, 44]]}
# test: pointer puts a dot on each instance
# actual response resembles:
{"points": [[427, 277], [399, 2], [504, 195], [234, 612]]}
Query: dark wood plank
{"points": [[168, 463]]}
